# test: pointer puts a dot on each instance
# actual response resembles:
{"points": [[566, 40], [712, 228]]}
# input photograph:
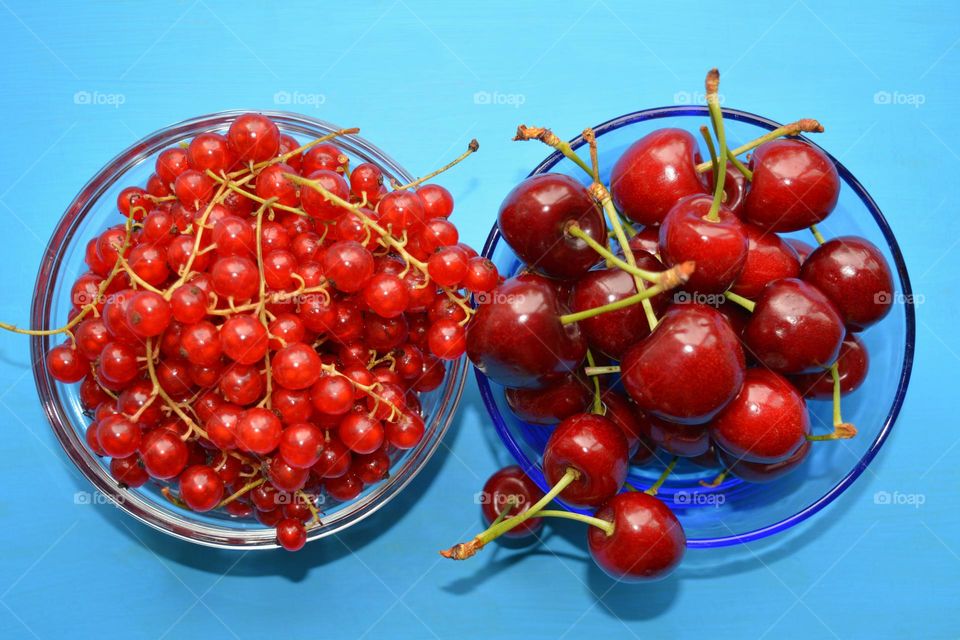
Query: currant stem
{"points": [[716, 118], [749, 305], [597, 401], [708, 139], [465, 550], [601, 371], [241, 491], [652, 491], [806, 125], [816, 234], [605, 525], [472, 148]]}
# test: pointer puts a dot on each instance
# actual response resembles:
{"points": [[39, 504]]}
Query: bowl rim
{"points": [[531, 467], [167, 520]]}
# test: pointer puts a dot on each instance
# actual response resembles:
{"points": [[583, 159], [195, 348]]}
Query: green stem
{"points": [[623, 303], [735, 161], [601, 371], [716, 118], [495, 531], [841, 430], [663, 477], [708, 139], [749, 305], [599, 523], [807, 125], [650, 276], [597, 401], [816, 234], [511, 503]]}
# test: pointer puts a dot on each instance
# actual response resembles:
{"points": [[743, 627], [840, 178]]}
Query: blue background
{"points": [[407, 72]]}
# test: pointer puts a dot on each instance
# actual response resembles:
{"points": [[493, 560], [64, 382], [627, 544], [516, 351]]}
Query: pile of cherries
{"points": [[586, 337], [254, 335]]}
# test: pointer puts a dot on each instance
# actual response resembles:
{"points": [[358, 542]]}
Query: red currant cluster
{"points": [[715, 373], [256, 333]]}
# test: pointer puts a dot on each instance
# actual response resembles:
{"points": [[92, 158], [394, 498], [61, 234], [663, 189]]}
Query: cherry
{"points": [[258, 431], [654, 173], [291, 534], [621, 411], [794, 328], [802, 248], [735, 187], [253, 138], [760, 471], [684, 440], [201, 488], [516, 338], [852, 364], [163, 453], [510, 490], [688, 368], [719, 246], [534, 219], [647, 541], [296, 366], [766, 422], [853, 273], [596, 449], [794, 185], [769, 258], [568, 396]]}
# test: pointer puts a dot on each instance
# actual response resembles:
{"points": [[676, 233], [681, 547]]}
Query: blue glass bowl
{"points": [[93, 210], [737, 511]]}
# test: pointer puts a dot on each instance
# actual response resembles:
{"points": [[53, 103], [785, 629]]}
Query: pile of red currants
{"points": [[254, 336], [588, 338]]}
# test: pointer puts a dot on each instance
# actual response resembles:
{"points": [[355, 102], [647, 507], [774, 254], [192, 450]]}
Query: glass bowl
{"points": [[93, 210], [737, 511]]}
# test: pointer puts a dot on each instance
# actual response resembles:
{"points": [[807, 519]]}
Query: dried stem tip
{"points": [[806, 125], [598, 192], [678, 275], [712, 83], [474, 145], [542, 134], [463, 550]]}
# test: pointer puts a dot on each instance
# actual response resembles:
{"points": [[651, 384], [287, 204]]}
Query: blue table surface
{"points": [[880, 76]]}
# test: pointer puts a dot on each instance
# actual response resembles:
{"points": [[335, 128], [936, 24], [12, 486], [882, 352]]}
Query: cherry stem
{"points": [[841, 430], [597, 400], [599, 523], [816, 234], [708, 139], [652, 491], [806, 125], [655, 277], [716, 481], [511, 503], [466, 550], [749, 305], [473, 147], [735, 161], [549, 138], [623, 303], [716, 118], [601, 371]]}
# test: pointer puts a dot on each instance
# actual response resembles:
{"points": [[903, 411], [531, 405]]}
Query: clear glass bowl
{"points": [[737, 511], [93, 210]]}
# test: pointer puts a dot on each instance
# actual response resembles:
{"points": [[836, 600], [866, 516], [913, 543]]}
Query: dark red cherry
{"points": [[852, 364], [766, 422], [794, 328], [760, 471], [647, 541], [794, 186], [769, 258], [551, 404], [646, 239], [621, 411], [506, 485], [534, 219], [718, 247], [613, 332], [594, 447], [516, 337], [735, 186], [802, 248], [688, 369], [853, 273], [684, 440], [654, 173]]}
